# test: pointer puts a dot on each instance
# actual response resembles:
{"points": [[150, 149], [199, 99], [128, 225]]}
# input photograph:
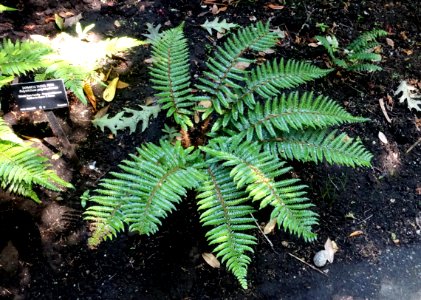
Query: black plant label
{"points": [[44, 95]]}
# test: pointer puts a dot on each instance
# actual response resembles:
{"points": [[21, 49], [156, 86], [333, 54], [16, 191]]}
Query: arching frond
{"points": [[170, 74], [316, 146], [22, 167], [148, 187], [259, 173], [363, 42], [21, 57], [365, 56], [269, 79], [74, 77], [363, 67], [292, 112], [224, 75], [224, 208]]}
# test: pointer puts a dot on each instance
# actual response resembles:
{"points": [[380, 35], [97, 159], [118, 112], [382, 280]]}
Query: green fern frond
{"points": [[330, 43], [270, 78], [258, 173], [74, 77], [223, 75], [316, 146], [148, 187], [360, 67], [225, 209], [292, 112], [171, 76], [21, 57], [120, 44], [22, 167], [363, 42], [360, 56]]}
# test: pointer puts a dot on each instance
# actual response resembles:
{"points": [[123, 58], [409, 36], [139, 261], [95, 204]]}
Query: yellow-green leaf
{"points": [[109, 92], [59, 21]]}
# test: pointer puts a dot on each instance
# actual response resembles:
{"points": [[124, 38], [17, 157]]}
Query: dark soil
{"points": [[43, 252]]}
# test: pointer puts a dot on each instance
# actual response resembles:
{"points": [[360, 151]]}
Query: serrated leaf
{"points": [[128, 118], [220, 27], [409, 93], [153, 34]]}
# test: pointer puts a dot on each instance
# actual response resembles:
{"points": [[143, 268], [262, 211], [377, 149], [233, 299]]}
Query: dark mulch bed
{"points": [[44, 252]]}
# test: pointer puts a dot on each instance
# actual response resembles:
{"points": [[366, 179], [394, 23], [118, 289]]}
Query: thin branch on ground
{"points": [[307, 264]]}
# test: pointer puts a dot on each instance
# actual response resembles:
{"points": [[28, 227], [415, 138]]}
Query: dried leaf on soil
{"points": [[383, 138], [270, 226], [59, 21], [205, 104], [122, 85], [109, 92], [356, 233], [390, 42], [242, 65], [410, 94], [87, 88], [274, 6], [331, 248], [211, 260]]}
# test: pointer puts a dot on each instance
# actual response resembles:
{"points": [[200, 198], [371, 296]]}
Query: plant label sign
{"points": [[45, 95]]}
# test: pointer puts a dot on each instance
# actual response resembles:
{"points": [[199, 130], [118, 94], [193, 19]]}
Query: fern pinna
{"points": [[22, 167], [257, 124], [359, 56]]}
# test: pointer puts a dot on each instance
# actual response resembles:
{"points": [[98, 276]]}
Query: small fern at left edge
{"points": [[22, 167]]}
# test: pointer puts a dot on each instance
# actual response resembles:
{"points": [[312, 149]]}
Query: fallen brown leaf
{"points": [[109, 93], [101, 112], [241, 65], [270, 226], [205, 103], [87, 88], [274, 6], [408, 51], [383, 138], [390, 42], [356, 233], [211, 260], [403, 35], [417, 122], [122, 84]]}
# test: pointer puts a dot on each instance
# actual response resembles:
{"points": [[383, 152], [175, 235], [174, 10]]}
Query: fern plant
{"points": [[22, 167], [66, 57], [359, 55], [252, 123], [20, 58]]}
